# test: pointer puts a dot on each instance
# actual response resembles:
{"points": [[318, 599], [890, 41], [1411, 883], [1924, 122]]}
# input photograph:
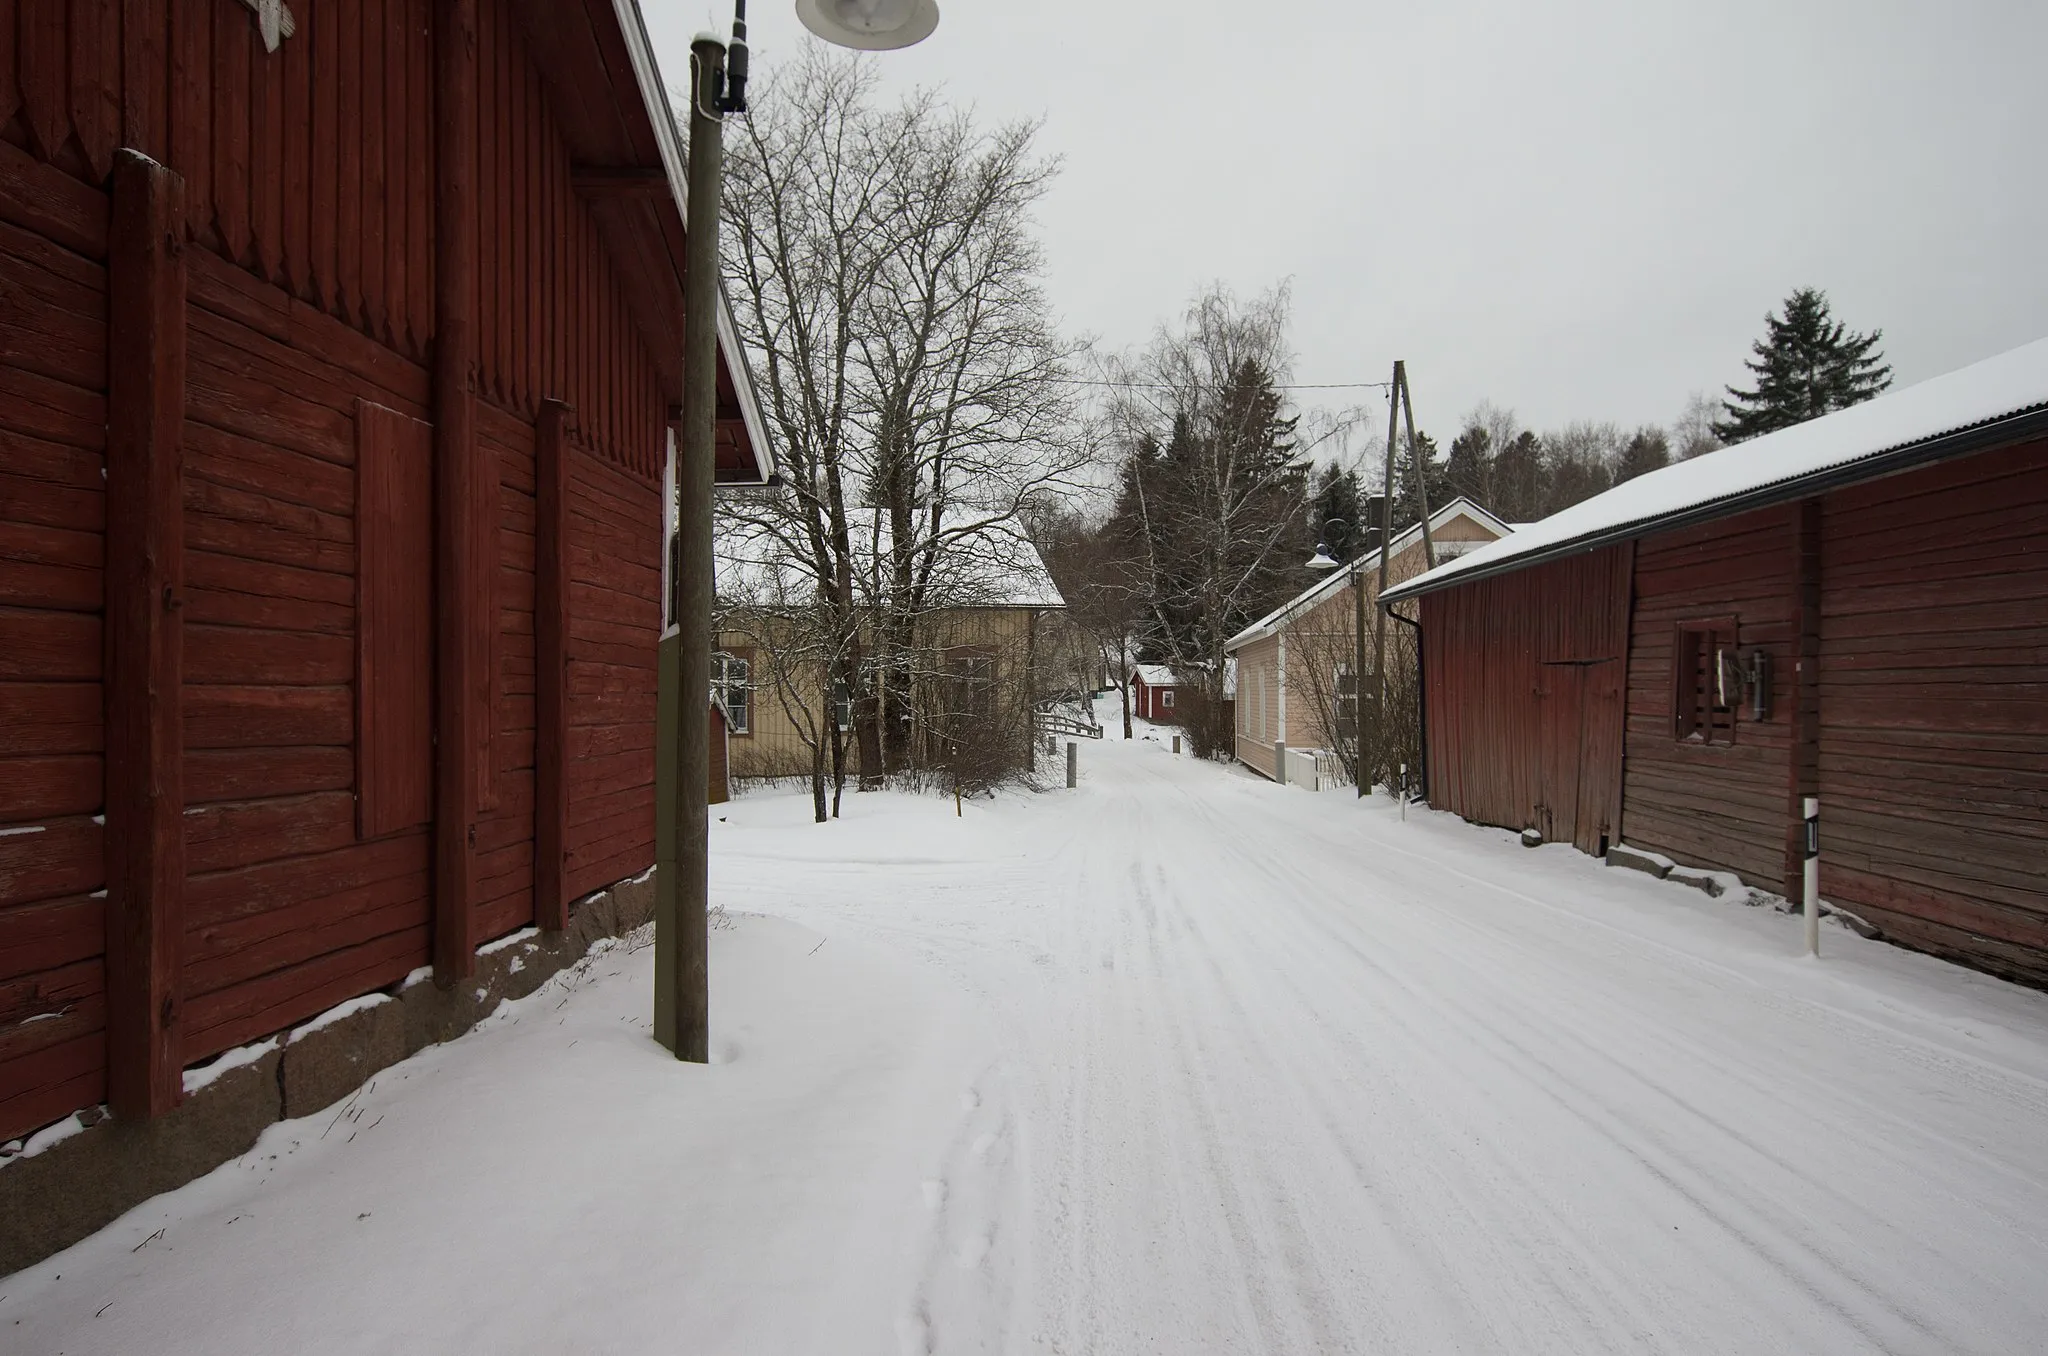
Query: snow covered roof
{"points": [[1337, 579], [1987, 404], [983, 564], [1162, 675]]}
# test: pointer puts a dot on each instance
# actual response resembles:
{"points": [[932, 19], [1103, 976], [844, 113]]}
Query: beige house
{"points": [[1295, 687], [981, 655]]}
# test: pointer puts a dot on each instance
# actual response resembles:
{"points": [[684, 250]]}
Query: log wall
{"points": [[1714, 805], [308, 188], [1934, 702]]}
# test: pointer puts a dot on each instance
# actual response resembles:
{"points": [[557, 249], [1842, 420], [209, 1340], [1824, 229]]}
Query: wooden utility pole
{"points": [[1379, 633], [1421, 467], [682, 993]]}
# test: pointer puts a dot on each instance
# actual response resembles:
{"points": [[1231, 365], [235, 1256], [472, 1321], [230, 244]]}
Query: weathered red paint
{"points": [[1903, 623], [310, 238]]}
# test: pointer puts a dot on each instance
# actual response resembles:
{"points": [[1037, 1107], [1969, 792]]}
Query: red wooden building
{"points": [[1855, 608], [1155, 693], [336, 382]]}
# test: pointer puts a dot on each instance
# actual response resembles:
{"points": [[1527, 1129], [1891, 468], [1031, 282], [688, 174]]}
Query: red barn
{"points": [[1855, 608], [336, 376]]}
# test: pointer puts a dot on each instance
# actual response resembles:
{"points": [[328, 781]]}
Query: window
{"points": [[732, 687], [1344, 702], [1166, 698], [1706, 681], [842, 706], [973, 684]]}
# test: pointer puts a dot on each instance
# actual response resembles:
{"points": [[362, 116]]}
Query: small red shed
{"points": [[1855, 608], [1155, 694]]}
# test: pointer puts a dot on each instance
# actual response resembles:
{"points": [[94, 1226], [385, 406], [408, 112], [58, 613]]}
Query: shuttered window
{"points": [[394, 618], [1706, 681]]}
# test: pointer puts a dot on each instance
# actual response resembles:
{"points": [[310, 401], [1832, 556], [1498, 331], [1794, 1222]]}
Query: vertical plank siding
{"points": [[310, 180], [1498, 752]]}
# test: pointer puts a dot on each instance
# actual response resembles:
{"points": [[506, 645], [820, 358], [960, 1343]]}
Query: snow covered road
{"points": [[1178, 1062]]}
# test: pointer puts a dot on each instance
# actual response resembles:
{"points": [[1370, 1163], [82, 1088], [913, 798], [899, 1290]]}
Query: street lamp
{"points": [[1323, 560], [870, 25], [718, 86]]}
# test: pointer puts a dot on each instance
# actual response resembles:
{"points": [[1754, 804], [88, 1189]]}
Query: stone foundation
{"points": [[82, 1184]]}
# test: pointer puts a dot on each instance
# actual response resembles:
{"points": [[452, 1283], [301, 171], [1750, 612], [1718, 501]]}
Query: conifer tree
{"points": [[1807, 364], [1338, 511]]}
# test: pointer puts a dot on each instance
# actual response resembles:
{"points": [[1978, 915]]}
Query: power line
{"points": [[1295, 386]]}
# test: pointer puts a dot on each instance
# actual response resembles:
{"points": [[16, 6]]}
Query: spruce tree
{"points": [[1807, 364], [1647, 449], [1338, 511]]}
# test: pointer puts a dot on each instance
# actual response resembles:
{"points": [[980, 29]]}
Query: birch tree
{"points": [[1213, 496]]}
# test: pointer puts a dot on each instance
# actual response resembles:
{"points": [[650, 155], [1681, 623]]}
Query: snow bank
{"points": [[195, 1079]]}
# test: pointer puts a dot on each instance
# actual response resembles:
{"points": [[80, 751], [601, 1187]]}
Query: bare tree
{"points": [[1693, 434], [887, 279], [1213, 499], [1102, 584]]}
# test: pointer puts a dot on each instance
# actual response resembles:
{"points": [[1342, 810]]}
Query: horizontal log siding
{"points": [[614, 626], [504, 896], [287, 913], [1715, 806], [1484, 645], [53, 421], [1934, 702], [309, 182]]}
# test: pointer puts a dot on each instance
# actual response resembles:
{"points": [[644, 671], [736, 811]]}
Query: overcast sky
{"points": [[1578, 210]]}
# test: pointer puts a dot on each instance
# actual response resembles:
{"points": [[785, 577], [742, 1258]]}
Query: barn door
{"points": [[1561, 707], [1580, 706], [1600, 734]]}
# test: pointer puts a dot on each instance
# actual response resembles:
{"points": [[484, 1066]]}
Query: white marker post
{"points": [[1813, 875]]}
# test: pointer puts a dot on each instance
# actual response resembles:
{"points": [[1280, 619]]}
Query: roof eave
{"points": [[1999, 432], [647, 72]]}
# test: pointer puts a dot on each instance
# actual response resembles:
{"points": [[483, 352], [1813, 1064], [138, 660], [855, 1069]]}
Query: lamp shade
{"points": [[870, 25], [1321, 560]]}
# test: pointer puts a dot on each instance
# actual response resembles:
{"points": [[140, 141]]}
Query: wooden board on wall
{"points": [[394, 654]]}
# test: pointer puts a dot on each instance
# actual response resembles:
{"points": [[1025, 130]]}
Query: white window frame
{"points": [[724, 685], [1166, 699]]}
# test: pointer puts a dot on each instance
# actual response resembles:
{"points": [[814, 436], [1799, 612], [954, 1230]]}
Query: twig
{"points": [[814, 950]]}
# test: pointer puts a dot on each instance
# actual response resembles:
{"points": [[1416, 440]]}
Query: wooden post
{"points": [[1421, 468], [551, 666], [1379, 630], [682, 994], [145, 793], [457, 746]]}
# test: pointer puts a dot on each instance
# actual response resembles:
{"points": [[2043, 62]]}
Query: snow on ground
{"points": [[1179, 1062]]}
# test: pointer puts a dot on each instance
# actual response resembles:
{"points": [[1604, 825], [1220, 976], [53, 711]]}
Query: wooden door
{"points": [[1600, 735], [1560, 706], [1579, 800]]}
